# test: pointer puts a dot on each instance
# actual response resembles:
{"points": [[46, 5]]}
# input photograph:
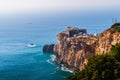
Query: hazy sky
{"points": [[19, 6]]}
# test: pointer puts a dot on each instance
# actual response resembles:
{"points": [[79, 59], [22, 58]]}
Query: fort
{"points": [[71, 31]]}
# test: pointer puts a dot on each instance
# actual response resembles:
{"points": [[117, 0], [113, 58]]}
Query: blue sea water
{"points": [[18, 61]]}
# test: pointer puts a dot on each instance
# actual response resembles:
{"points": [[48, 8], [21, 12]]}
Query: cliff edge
{"points": [[107, 39], [75, 46]]}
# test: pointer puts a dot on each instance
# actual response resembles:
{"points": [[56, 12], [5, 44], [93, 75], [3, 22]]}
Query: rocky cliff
{"points": [[48, 48], [75, 46], [107, 39]]}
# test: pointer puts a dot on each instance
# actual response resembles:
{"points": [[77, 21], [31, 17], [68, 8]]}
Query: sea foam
{"points": [[52, 59], [63, 68]]}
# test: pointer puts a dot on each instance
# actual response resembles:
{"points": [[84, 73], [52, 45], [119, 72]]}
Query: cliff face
{"points": [[73, 51], [107, 39], [75, 46]]}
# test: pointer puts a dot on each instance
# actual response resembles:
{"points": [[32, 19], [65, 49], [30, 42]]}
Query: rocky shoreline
{"points": [[75, 46], [48, 48]]}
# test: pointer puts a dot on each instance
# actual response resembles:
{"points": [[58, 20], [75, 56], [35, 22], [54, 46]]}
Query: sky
{"points": [[90, 12], [67, 12], [47, 6]]}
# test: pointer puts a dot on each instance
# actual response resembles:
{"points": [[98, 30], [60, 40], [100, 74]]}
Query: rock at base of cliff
{"points": [[48, 48]]}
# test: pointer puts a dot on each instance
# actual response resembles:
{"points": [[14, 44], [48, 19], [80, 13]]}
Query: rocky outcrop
{"points": [[48, 48], [107, 39], [75, 46]]}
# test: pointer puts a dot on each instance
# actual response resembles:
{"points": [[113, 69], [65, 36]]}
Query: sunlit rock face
{"points": [[107, 39], [75, 46]]}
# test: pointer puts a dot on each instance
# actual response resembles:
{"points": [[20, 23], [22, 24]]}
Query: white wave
{"points": [[63, 68], [53, 57], [31, 45], [50, 61]]}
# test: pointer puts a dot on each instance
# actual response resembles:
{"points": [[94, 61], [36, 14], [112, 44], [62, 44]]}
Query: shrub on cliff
{"points": [[115, 51], [115, 27], [101, 67]]}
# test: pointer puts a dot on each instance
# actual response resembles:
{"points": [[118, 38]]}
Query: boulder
{"points": [[48, 48]]}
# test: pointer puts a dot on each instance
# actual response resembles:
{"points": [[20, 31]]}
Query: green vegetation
{"points": [[101, 67], [115, 51], [116, 27]]}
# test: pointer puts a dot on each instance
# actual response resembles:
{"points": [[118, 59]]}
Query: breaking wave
{"points": [[63, 68], [52, 59]]}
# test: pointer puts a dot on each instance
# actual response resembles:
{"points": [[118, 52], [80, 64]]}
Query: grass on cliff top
{"points": [[101, 67], [116, 27]]}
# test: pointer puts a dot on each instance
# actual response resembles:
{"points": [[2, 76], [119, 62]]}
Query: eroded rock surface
{"points": [[75, 46], [107, 39]]}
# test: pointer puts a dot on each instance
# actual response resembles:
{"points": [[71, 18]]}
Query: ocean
{"points": [[18, 61]]}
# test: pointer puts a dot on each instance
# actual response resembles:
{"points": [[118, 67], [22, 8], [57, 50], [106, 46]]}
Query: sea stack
{"points": [[48, 48]]}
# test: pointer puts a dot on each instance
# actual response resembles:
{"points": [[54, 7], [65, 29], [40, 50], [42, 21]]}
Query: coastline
{"points": [[74, 48]]}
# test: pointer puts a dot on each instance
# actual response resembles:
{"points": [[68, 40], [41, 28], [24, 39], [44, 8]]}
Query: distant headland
{"points": [[75, 46]]}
